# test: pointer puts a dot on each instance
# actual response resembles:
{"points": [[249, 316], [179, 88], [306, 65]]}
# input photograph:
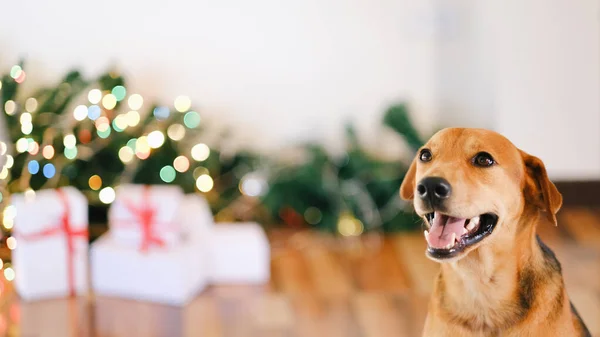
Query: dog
{"points": [[481, 199]]}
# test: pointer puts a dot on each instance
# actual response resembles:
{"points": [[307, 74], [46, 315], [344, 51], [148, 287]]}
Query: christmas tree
{"points": [[95, 135]]}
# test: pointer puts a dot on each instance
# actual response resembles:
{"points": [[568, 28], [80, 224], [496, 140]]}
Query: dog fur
{"points": [[510, 283]]}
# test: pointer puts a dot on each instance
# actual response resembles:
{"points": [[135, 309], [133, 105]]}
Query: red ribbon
{"points": [[146, 216], [71, 234]]}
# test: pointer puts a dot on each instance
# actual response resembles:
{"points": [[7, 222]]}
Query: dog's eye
{"points": [[425, 155], [483, 159]]}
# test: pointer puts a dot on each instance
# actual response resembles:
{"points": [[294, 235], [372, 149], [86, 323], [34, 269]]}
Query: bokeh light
{"points": [[198, 171], [135, 101], [29, 195], [16, 71], [85, 136], [107, 195], [3, 148], [200, 152], [94, 96], [120, 123], [71, 152], [33, 167], [10, 160], [102, 123], [21, 77], [191, 119], [126, 154], [94, 112], [25, 118], [161, 112], [142, 149], [80, 112], [204, 183], [176, 132], [11, 242], [9, 274], [133, 118], [48, 152], [181, 164], [156, 139], [33, 148], [95, 182], [253, 185], [132, 143], [350, 226], [10, 107], [313, 215], [70, 140], [103, 133], [167, 174], [22, 145], [26, 128], [31, 104], [119, 92], [49, 170], [109, 101], [182, 103]]}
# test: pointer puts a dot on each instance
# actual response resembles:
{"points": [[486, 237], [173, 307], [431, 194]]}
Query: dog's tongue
{"points": [[442, 228]]}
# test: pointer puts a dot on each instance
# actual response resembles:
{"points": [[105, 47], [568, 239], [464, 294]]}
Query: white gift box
{"points": [[239, 254], [51, 256], [164, 275], [170, 275], [140, 208]]}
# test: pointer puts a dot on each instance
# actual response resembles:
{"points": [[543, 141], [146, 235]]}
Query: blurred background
{"points": [[302, 117]]}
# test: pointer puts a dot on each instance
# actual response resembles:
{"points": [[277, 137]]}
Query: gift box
{"points": [[140, 212], [51, 230], [239, 254], [170, 275]]}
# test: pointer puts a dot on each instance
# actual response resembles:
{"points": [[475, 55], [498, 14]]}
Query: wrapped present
{"points": [[170, 275], [51, 230], [239, 254], [145, 216]]}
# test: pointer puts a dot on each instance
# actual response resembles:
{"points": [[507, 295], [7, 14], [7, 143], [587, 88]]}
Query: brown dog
{"points": [[482, 198]]}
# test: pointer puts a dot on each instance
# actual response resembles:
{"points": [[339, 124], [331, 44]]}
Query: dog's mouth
{"points": [[449, 236]]}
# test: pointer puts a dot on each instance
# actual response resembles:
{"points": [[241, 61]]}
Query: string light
{"points": [[350, 226], [132, 143], [204, 183], [252, 185], [80, 112], [49, 170], [120, 123], [25, 118], [103, 134], [167, 174], [156, 139], [10, 160], [181, 164], [95, 182], [133, 118], [22, 145], [15, 71], [48, 152], [142, 149], [9, 274], [109, 101], [135, 101], [10, 107], [29, 195], [33, 167], [3, 148], [161, 112], [33, 148], [191, 119], [119, 92], [126, 154], [70, 141], [85, 136], [4, 173], [1, 264], [182, 103], [200, 152], [71, 152], [11, 243], [198, 171], [21, 77], [107, 195], [176, 132], [27, 128], [8, 217], [31, 104], [94, 112], [94, 96]]}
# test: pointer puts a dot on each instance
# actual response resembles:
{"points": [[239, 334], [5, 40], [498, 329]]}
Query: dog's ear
{"points": [[407, 188], [539, 190]]}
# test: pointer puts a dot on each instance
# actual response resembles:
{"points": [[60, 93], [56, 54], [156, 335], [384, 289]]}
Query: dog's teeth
{"points": [[426, 234], [470, 226], [475, 221]]}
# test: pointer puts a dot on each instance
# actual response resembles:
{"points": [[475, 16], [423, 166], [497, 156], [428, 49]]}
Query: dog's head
{"points": [[471, 186]]}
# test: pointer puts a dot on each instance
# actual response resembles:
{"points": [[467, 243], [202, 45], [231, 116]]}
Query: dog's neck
{"points": [[481, 285]]}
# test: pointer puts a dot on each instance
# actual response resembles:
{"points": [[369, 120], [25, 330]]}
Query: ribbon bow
{"points": [[64, 227], [146, 216]]}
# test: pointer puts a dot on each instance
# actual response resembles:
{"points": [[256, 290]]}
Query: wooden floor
{"points": [[320, 287]]}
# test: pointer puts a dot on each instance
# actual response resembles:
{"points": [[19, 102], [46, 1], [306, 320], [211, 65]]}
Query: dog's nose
{"points": [[434, 188]]}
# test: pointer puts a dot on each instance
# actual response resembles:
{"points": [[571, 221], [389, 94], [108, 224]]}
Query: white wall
{"points": [[279, 72]]}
